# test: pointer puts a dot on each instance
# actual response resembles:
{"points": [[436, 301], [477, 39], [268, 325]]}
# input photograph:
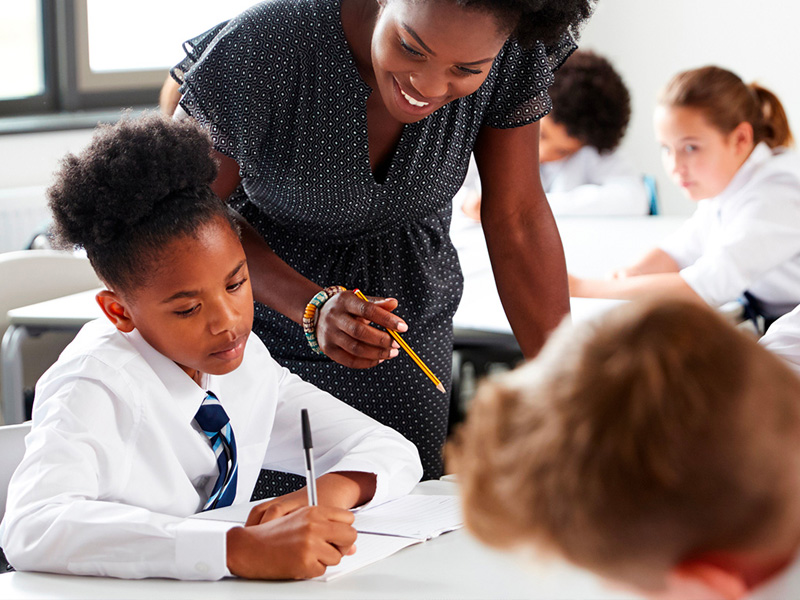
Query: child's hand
{"points": [[298, 545], [345, 335], [278, 507]]}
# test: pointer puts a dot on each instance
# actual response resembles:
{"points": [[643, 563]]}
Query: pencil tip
{"points": [[440, 387]]}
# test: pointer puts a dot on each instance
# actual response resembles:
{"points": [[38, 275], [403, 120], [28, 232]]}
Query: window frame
{"points": [[69, 84]]}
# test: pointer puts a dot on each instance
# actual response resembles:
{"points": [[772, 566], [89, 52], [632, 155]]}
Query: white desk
{"points": [[453, 566], [593, 247]]}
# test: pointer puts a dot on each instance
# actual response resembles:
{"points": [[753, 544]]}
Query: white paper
{"points": [[415, 516], [370, 548]]}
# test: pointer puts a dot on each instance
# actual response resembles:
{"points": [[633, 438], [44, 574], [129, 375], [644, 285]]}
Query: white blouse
{"points": [[115, 463], [748, 237]]}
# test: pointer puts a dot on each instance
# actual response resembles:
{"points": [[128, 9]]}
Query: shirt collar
{"points": [[185, 395], [760, 154]]}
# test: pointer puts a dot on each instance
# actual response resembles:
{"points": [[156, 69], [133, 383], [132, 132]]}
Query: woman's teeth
{"points": [[412, 101]]}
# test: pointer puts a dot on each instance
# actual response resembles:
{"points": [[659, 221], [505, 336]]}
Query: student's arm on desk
{"points": [[655, 261], [521, 234], [628, 288]]}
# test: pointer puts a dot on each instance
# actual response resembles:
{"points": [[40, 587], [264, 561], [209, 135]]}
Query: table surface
{"points": [[453, 565]]}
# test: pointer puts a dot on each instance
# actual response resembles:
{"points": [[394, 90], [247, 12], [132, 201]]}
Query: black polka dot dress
{"points": [[278, 89]]}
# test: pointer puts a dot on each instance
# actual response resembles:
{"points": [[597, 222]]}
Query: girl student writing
{"points": [[725, 143], [171, 405], [344, 129]]}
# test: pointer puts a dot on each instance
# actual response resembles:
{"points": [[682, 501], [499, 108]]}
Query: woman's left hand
{"points": [[344, 332]]}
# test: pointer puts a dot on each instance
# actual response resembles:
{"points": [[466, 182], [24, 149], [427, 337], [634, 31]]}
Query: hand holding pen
{"points": [[308, 449]]}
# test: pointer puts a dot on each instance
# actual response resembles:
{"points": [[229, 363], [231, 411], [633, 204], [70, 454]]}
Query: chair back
{"points": [[12, 448], [652, 193], [31, 276]]}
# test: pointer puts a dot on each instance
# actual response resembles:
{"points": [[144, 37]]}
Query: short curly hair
{"points": [[531, 21], [591, 101], [139, 184]]}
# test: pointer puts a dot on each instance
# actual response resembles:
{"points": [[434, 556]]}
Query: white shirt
{"points": [[586, 183], [748, 237], [783, 586], [783, 339], [115, 463]]}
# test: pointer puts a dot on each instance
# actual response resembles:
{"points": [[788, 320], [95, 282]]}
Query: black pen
{"points": [[311, 479]]}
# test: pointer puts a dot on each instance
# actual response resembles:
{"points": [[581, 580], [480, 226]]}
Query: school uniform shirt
{"points": [[783, 339], [748, 237], [115, 463], [785, 585], [586, 183]]}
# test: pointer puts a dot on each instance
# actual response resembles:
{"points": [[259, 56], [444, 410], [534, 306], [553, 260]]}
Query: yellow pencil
{"points": [[410, 352]]}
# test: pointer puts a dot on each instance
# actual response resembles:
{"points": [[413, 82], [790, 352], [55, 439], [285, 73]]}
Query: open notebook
{"points": [[382, 530]]}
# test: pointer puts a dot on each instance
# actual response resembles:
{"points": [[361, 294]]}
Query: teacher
{"points": [[344, 128]]}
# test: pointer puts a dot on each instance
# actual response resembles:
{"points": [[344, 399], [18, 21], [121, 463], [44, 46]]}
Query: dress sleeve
{"points": [[226, 80], [522, 78]]}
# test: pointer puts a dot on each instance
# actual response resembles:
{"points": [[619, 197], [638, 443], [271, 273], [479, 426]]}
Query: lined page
{"points": [[415, 516]]}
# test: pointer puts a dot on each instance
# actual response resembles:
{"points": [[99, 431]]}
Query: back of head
{"points": [[139, 184], [591, 101], [726, 101], [632, 443]]}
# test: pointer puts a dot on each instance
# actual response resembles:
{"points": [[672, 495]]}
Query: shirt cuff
{"points": [[201, 549]]}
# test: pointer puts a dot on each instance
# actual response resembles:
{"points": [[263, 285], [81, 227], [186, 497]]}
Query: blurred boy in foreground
{"points": [[658, 447]]}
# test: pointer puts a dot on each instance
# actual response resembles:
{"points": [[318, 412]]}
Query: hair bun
{"points": [[125, 173]]}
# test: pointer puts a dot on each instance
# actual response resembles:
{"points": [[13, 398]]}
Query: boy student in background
{"points": [[171, 405], [658, 447], [725, 143], [581, 169]]}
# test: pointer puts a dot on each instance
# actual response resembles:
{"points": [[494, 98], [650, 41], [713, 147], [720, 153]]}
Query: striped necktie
{"points": [[215, 424]]}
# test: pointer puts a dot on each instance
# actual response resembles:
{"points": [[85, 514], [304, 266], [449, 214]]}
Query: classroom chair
{"points": [[30, 276], [12, 448], [652, 192], [477, 354]]}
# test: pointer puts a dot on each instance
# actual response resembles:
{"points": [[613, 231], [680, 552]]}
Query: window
{"points": [[85, 54]]}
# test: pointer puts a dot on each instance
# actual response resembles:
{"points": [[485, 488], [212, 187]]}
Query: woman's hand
{"points": [[344, 332]]}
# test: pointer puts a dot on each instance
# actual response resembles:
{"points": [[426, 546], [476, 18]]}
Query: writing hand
{"points": [[298, 545]]}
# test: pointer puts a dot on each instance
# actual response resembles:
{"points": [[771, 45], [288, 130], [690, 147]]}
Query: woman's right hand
{"points": [[345, 335]]}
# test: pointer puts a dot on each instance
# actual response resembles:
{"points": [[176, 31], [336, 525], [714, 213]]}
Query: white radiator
{"points": [[23, 212]]}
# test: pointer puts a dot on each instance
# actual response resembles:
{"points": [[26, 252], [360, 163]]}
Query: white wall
{"points": [[28, 163], [651, 40]]}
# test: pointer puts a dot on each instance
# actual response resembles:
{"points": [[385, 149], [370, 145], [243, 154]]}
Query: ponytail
{"points": [[726, 101], [774, 123]]}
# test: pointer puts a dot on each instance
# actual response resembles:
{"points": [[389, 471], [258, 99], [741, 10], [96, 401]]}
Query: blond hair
{"points": [[629, 444], [726, 101]]}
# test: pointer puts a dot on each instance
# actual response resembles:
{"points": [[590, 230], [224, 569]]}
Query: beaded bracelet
{"points": [[311, 314]]}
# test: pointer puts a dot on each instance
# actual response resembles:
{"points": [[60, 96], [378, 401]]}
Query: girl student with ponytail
{"points": [[726, 144]]}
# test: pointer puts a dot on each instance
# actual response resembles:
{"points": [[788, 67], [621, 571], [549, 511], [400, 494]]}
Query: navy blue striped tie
{"points": [[214, 422]]}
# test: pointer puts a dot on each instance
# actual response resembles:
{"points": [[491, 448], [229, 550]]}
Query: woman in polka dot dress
{"points": [[344, 128]]}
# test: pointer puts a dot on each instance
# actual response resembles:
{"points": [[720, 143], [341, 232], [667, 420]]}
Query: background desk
{"points": [[593, 247], [451, 566], [68, 313]]}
